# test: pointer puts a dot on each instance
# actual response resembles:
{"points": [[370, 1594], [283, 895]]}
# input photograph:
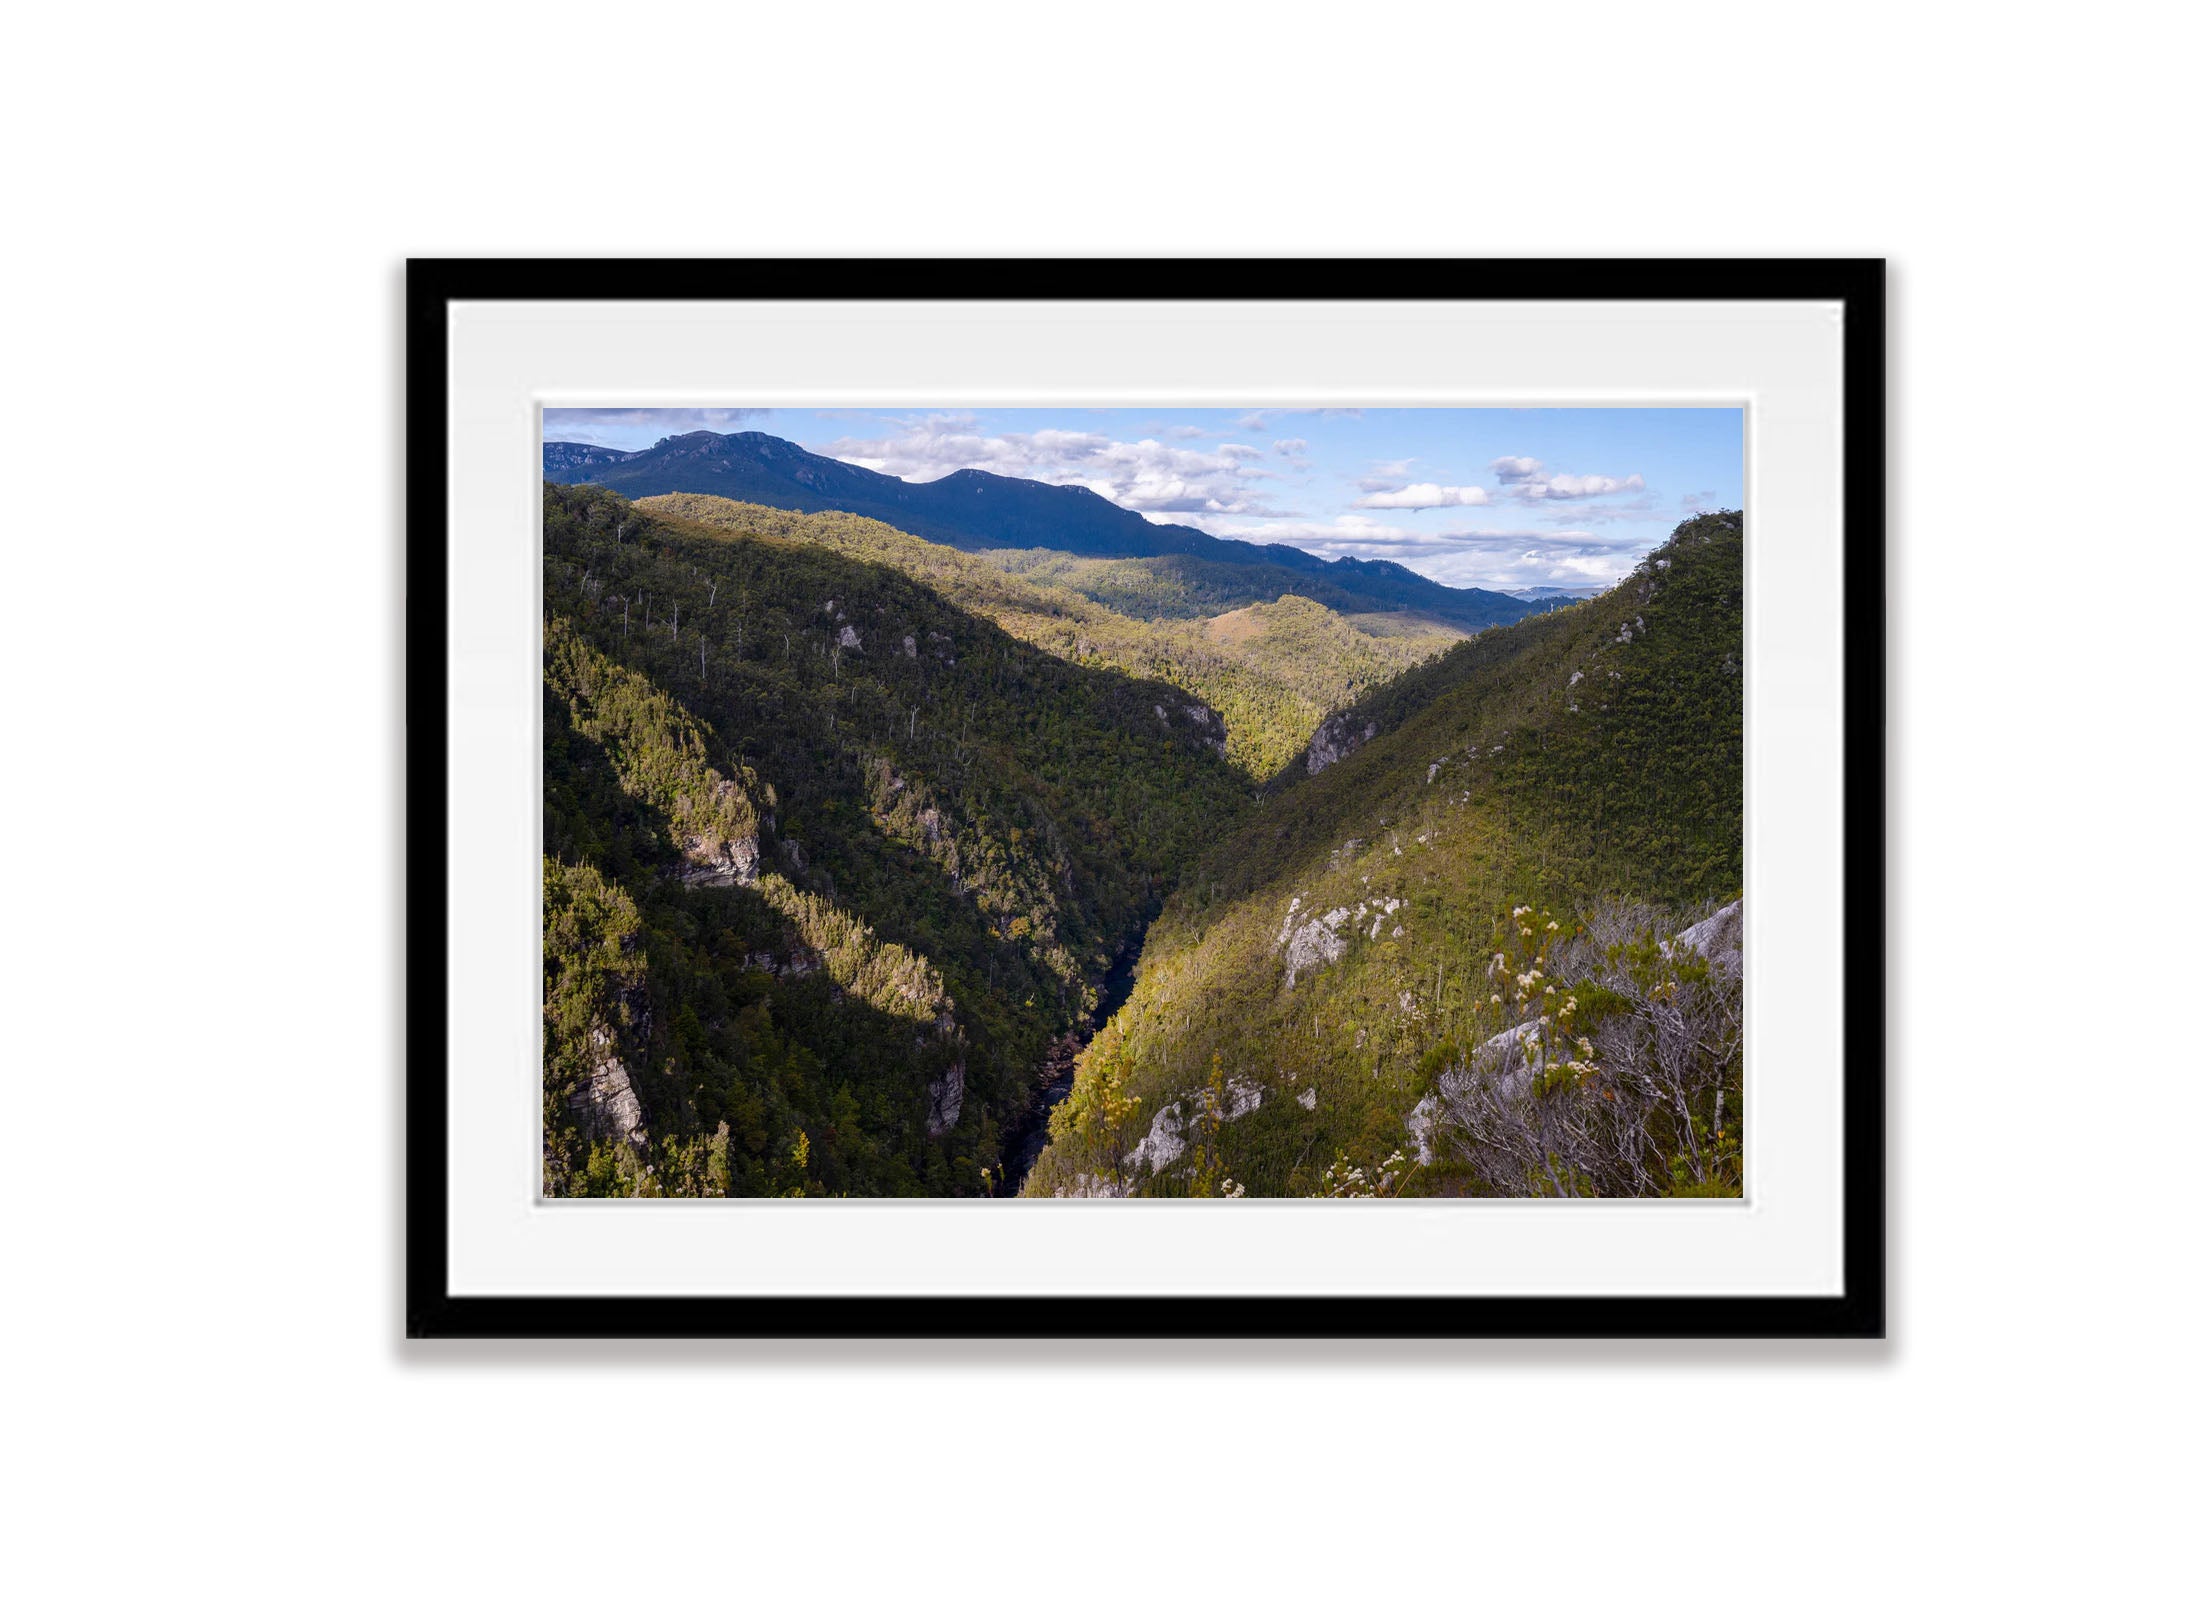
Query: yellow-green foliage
{"points": [[1588, 752], [592, 976], [656, 748], [895, 980], [1273, 668]]}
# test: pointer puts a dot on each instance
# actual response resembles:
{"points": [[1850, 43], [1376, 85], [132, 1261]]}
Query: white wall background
{"points": [[207, 209]]}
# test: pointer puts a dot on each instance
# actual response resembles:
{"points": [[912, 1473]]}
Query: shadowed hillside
{"points": [[1271, 670], [830, 862]]}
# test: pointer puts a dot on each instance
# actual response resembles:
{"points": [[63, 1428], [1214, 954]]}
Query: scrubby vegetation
{"points": [[1272, 669], [1333, 958], [829, 860], [1617, 1068]]}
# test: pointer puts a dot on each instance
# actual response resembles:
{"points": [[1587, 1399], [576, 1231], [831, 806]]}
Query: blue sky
{"points": [[1468, 496]]}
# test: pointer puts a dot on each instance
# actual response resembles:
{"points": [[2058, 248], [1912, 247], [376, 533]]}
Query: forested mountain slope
{"points": [[1272, 670], [1181, 586], [1395, 973], [974, 510], [829, 861]]}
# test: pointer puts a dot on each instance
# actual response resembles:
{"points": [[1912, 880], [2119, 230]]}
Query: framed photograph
{"points": [[1117, 798]]}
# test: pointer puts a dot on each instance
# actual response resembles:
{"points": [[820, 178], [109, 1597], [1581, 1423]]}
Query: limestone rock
{"points": [[605, 1105], [1313, 943], [725, 865], [1718, 939], [1333, 741], [1168, 1137], [946, 1102]]}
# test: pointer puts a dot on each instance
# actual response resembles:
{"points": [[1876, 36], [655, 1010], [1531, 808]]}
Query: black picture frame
{"points": [[1859, 1311]]}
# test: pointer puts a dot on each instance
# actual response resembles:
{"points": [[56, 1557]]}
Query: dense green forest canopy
{"points": [[1181, 586], [829, 862], [1272, 663]]}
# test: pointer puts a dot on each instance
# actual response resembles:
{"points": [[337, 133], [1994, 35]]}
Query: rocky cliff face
{"points": [[1334, 740], [1205, 721], [605, 1105], [1718, 939], [719, 864], [1170, 1135], [944, 1101]]}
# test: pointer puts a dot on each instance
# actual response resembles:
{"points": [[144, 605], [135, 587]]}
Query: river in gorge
{"points": [[1027, 1136]]}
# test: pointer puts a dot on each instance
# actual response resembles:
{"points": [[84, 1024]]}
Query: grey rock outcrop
{"points": [[605, 1105], [946, 1102], [1333, 741], [1718, 939], [730, 864], [1169, 1136], [1310, 944]]}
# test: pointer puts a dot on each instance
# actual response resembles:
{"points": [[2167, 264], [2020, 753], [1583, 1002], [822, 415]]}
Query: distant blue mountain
{"points": [[974, 510], [1545, 591]]}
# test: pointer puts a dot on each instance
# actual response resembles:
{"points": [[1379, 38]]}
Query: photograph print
{"points": [[1143, 803]]}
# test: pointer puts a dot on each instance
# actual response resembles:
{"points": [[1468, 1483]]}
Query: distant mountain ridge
{"points": [[1546, 591], [973, 510]]}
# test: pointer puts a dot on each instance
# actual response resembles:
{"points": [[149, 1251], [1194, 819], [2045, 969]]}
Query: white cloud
{"points": [[1641, 508], [613, 424], [1290, 447], [1421, 497], [1144, 475], [1566, 487], [1525, 479], [1257, 421], [1477, 558], [1383, 476]]}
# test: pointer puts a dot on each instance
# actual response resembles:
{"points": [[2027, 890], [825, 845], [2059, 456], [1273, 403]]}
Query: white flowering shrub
{"points": [[1608, 1060], [1344, 1181]]}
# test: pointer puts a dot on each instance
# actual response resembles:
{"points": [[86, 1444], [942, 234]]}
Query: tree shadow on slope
{"points": [[755, 1062], [1012, 818]]}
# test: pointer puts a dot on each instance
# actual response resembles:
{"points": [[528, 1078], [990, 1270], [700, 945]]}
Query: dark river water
{"points": [[1027, 1136]]}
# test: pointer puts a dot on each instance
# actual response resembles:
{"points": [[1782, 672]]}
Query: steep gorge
{"points": [[1564, 792], [854, 849], [831, 861]]}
